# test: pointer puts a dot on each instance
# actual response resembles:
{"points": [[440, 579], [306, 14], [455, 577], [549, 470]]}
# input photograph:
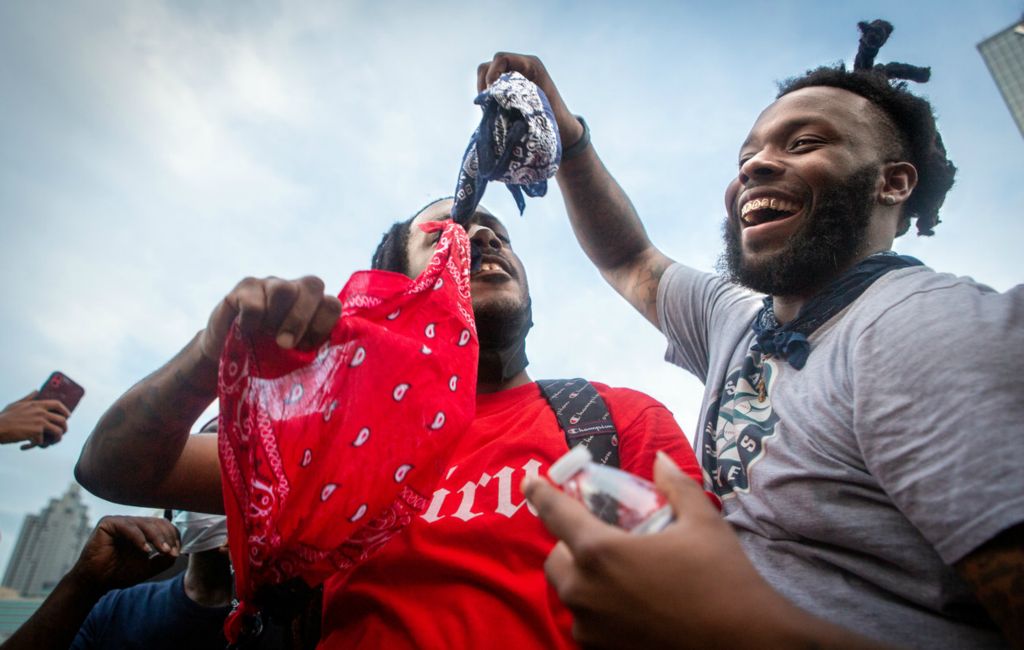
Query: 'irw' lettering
{"points": [[507, 479]]}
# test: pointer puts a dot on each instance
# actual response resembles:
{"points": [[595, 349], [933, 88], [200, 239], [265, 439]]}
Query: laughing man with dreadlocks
{"points": [[861, 420]]}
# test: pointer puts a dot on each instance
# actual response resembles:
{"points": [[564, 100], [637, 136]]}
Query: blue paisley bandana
{"points": [[517, 143], [789, 341]]}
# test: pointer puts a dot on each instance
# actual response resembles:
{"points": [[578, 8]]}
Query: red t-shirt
{"points": [[468, 572]]}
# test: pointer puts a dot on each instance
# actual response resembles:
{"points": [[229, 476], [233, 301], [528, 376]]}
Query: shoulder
{"points": [[626, 399], [141, 596], [114, 607], [931, 308], [921, 288], [682, 284], [634, 409]]}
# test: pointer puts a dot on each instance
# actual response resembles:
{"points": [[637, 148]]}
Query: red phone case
{"points": [[62, 388]]}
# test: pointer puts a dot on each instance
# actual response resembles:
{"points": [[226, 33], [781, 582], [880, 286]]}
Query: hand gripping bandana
{"points": [[327, 454], [517, 143]]}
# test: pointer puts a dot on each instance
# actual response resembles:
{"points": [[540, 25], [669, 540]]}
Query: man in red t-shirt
{"points": [[468, 571]]}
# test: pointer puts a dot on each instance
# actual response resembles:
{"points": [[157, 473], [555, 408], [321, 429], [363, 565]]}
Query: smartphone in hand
{"points": [[63, 389]]}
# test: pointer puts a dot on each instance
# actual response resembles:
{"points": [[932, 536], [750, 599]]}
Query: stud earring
{"points": [[888, 199]]}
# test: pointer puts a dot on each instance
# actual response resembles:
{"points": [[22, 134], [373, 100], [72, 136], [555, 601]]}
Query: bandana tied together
{"points": [[517, 143], [789, 341], [326, 454]]}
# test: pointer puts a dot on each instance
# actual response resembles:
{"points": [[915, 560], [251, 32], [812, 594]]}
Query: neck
{"points": [[788, 307], [485, 386], [208, 579]]}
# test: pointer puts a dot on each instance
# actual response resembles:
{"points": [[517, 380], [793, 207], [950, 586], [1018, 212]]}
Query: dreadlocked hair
{"points": [[909, 119], [392, 252]]}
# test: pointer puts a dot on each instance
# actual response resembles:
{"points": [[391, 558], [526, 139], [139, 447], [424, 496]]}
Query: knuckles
{"points": [[593, 553], [312, 284]]}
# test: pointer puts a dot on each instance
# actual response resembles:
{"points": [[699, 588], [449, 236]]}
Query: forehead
{"points": [[441, 210], [851, 115]]}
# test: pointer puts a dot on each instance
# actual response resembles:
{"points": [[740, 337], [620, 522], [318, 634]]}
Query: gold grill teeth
{"points": [[771, 203]]}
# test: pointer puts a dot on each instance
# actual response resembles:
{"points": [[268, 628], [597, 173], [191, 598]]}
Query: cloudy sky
{"points": [[154, 153]]}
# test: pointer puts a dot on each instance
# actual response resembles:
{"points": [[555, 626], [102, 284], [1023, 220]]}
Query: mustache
{"points": [[476, 256]]}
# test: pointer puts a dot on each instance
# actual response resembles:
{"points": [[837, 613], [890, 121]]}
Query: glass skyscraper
{"points": [[48, 545], [1004, 55]]}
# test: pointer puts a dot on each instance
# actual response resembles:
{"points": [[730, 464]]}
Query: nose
{"points": [[761, 165], [484, 237]]}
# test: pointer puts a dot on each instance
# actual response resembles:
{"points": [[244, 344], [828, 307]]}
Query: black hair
{"points": [[908, 118], [392, 252]]}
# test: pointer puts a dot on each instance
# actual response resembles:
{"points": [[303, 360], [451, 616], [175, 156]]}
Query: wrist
{"points": [[204, 345], [580, 144], [83, 584], [570, 129]]}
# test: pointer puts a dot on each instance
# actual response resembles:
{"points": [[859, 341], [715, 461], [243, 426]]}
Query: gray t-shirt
{"points": [[855, 483]]}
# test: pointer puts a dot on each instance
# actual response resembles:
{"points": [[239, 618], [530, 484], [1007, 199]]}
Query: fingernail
{"points": [[526, 483], [663, 459], [166, 547], [286, 340]]}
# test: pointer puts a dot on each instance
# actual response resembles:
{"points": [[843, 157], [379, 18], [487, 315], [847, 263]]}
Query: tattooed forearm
{"points": [[996, 572], [139, 438], [645, 286]]}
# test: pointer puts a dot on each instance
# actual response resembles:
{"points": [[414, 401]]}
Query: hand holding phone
{"points": [[40, 418], [62, 388]]}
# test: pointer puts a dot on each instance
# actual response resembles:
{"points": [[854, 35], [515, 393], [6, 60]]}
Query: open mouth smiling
{"points": [[765, 209], [492, 264]]}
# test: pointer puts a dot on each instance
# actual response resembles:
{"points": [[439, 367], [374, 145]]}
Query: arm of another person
{"points": [[688, 585], [121, 552], [33, 421], [996, 573], [602, 216], [141, 452]]}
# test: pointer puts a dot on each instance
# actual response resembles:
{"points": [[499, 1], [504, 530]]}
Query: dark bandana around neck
{"points": [[789, 341]]}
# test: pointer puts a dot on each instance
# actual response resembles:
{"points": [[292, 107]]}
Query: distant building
{"points": [[14, 612], [48, 545], [1004, 56]]}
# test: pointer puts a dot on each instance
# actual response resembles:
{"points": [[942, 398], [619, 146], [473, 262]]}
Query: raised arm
{"points": [[602, 216], [122, 551], [141, 452]]}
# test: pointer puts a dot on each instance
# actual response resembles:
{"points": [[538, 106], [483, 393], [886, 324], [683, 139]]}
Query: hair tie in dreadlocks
{"points": [[873, 36]]}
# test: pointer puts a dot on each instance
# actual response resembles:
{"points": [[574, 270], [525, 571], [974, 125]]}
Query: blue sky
{"points": [[155, 153]]}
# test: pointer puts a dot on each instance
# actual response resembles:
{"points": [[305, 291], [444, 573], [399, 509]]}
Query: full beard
{"points": [[829, 242]]}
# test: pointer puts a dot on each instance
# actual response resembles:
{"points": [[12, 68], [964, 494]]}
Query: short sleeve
{"points": [[939, 411], [693, 305], [645, 427]]}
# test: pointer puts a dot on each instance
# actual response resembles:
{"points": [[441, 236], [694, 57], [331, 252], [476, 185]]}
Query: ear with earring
{"points": [[889, 199]]}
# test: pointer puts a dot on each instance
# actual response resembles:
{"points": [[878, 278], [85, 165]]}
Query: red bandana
{"points": [[327, 454]]}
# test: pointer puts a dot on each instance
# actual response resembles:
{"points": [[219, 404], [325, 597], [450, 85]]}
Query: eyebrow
{"points": [[791, 125]]}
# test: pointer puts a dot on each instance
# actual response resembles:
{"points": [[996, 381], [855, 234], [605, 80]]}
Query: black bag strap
{"points": [[584, 417]]}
